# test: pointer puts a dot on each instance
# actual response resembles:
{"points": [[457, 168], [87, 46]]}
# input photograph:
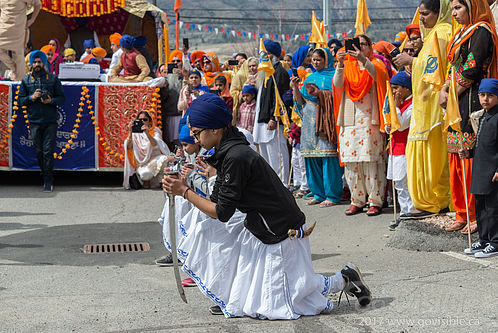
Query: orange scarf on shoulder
{"points": [[357, 83]]}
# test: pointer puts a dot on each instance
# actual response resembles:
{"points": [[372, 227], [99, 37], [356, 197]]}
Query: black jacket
{"points": [[247, 183], [267, 101], [485, 163], [37, 111]]}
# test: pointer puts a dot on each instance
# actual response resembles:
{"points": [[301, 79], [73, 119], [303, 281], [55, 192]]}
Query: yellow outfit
{"points": [[426, 152]]}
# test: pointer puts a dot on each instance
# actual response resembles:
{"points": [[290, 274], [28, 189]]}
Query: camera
{"points": [[350, 42], [137, 126], [394, 53], [233, 62], [171, 67], [44, 95]]}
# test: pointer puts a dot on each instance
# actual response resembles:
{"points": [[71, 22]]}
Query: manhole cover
{"points": [[116, 248]]}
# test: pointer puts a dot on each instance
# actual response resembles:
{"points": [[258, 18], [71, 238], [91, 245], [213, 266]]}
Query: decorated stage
{"points": [[92, 125]]}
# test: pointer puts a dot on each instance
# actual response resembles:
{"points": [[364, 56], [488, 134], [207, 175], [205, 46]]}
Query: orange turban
{"points": [[175, 53], [413, 29], [114, 38], [383, 47], [282, 53], [197, 55], [47, 48], [400, 37], [99, 52]]}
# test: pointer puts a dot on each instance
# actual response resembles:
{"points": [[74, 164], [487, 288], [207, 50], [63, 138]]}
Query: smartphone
{"points": [[171, 67], [185, 42], [215, 91], [395, 52], [137, 126], [349, 42], [232, 62], [294, 72]]}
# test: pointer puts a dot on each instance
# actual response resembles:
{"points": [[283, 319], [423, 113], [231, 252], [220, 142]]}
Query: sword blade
{"points": [[172, 241]]}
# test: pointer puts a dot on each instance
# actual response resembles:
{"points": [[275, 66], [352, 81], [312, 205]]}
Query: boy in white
{"points": [[396, 170]]}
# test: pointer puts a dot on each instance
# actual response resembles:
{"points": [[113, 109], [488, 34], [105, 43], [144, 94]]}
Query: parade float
{"points": [[93, 120]]}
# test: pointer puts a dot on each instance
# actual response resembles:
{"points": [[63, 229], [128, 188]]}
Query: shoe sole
{"points": [[487, 255], [165, 265], [418, 217], [215, 312], [468, 251], [369, 297]]}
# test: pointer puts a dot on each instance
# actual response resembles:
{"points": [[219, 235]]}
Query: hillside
{"points": [[288, 17]]}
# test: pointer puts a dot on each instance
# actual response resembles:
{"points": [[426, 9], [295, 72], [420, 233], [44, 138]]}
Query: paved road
{"points": [[48, 285]]}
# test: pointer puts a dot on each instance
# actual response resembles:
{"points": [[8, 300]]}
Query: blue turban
{"points": [[249, 89], [140, 41], [185, 136], [209, 111], [127, 41], [489, 86], [195, 72], [273, 47], [402, 79], [334, 41], [397, 44], [37, 54], [89, 43]]}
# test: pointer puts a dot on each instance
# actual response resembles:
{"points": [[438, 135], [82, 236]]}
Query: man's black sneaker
{"points": [[47, 187], [166, 261], [489, 251], [215, 310], [355, 286], [476, 247]]}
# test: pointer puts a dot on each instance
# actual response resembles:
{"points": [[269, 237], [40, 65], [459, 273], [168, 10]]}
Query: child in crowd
{"points": [[484, 181], [98, 54], [396, 170], [247, 111], [288, 60], [88, 45], [69, 55], [220, 84], [297, 161]]}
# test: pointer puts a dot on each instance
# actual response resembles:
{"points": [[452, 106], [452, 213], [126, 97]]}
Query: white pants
{"points": [[299, 170], [404, 199], [396, 171], [172, 128], [269, 151]]}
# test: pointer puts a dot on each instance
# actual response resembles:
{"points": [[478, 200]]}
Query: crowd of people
{"points": [[239, 156]]}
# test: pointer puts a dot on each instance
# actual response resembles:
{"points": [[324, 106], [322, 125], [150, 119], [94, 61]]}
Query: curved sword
{"points": [[172, 241]]}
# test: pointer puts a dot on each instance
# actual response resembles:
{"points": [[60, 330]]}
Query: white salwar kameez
{"points": [[150, 159], [244, 276]]}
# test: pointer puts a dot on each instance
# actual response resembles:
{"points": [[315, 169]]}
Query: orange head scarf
{"points": [[175, 53], [400, 37], [383, 47], [413, 29], [211, 76], [99, 52], [357, 83], [480, 16]]}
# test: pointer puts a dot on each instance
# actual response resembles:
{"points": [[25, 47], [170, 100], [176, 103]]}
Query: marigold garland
{"points": [[82, 8], [4, 143]]}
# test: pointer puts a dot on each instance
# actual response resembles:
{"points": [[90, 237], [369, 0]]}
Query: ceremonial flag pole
{"points": [[391, 119], [452, 118], [178, 6]]}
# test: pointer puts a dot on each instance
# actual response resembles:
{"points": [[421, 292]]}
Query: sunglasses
{"points": [[206, 62], [176, 61], [196, 134], [408, 50], [143, 119], [413, 39]]}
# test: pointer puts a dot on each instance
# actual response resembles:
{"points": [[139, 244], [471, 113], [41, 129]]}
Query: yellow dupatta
{"points": [[427, 114]]}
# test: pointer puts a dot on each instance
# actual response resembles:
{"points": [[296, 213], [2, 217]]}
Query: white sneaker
{"points": [[489, 251], [476, 247]]}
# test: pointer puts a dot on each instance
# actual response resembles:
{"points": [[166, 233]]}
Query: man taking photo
{"points": [[41, 92]]}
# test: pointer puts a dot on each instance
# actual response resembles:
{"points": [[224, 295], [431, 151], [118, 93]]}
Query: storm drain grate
{"points": [[116, 248]]}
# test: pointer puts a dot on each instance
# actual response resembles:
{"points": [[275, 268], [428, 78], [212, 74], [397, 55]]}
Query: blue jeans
{"points": [[44, 139]]}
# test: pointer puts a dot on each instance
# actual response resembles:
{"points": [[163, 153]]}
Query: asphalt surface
{"points": [[48, 285]]}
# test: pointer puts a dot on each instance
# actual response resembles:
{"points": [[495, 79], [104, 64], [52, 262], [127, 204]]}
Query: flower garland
{"points": [[4, 143], [155, 106]]}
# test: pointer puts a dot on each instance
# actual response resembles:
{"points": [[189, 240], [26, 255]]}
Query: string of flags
{"points": [[251, 35]]}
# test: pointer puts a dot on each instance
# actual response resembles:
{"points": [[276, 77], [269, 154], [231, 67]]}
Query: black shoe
{"points": [[355, 286], [215, 310], [47, 187], [489, 251], [476, 247], [166, 261], [444, 210], [394, 224]]}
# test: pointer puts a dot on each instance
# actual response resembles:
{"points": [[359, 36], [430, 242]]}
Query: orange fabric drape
{"points": [[480, 15], [457, 188]]}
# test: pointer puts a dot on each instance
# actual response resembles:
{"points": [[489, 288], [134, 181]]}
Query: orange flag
{"points": [[362, 18], [390, 112]]}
